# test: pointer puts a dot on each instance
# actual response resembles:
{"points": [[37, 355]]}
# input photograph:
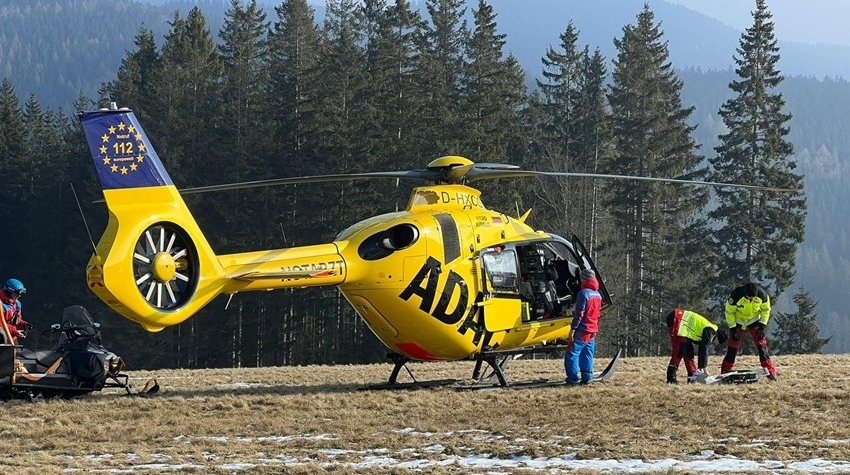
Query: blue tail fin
{"points": [[122, 154]]}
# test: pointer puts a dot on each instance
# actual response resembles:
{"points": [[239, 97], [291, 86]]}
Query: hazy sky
{"points": [[804, 21]]}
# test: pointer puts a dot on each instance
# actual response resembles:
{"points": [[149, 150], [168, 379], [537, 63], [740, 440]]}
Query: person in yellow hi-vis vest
{"points": [[748, 308], [686, 328]]}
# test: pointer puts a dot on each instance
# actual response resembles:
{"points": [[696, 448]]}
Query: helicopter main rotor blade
{"points": [[460, 174], [490, 174], [415, 174]]}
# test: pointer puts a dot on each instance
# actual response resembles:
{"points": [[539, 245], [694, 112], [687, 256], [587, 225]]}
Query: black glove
{"points": [[735, 333]]}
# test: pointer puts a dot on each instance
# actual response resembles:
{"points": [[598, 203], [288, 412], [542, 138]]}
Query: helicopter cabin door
{"points": [[503, 307], [583, 254]]}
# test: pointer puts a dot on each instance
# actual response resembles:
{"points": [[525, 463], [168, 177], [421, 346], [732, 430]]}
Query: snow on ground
{"points": [[430, 457]]}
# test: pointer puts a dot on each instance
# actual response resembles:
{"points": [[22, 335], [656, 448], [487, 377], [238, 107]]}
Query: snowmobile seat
{"points": [[38, 361]]}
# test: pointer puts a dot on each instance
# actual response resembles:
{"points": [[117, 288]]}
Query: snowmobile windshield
{"points": [[76, 321]]}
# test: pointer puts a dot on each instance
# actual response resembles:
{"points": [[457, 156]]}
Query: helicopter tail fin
{"points": [[153, 264]]}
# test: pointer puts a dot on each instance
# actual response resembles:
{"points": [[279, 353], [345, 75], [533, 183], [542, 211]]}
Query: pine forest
{"points": [[377, 85]]}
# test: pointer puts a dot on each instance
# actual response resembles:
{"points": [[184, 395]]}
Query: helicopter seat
{"points": [[562, 276], [526, 292], [545, 300]]}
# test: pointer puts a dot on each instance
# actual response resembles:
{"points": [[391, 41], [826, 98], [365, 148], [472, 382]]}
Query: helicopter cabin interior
{"points": [[544, 276]]}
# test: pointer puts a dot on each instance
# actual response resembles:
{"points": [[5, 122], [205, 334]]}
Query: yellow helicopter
{"points": [[445, 279]]}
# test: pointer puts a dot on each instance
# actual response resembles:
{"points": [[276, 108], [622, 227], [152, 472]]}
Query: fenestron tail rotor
{"points": [[165, 266]]}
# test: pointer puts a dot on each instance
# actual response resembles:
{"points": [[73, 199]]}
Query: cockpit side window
{"points": [[500, 268]]}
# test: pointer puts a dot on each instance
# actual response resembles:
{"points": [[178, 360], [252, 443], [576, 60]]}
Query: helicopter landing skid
{"points": [[497, 360], [605, 375], [392, 383]]}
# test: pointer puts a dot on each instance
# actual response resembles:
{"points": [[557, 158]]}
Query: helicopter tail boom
{"points": [[153, 264]]}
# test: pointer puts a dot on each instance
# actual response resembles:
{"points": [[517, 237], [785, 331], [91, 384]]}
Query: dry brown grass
{"points": [[315, 419]]}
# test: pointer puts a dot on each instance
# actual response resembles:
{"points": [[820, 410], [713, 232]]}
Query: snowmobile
{"points": [[79, 364]]}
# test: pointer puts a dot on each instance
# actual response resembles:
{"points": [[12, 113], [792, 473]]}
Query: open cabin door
{"points": [[584, 255], [503, 308]]}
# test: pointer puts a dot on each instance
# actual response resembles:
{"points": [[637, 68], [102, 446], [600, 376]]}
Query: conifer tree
{"points": [[343, 149], [13, 146], [760, 231], [391, 96], [187, 93], [492, 93], [653, 138], [593, 149], [245, 133], [797, 332], [391, 100], [133, 85], [292, 93], [244, 53], [574, 136], [493, 90], [560, 91], [441, 67], [292, 108]]}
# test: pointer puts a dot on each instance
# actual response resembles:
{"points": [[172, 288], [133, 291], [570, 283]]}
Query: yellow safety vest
{"points": [[745, 312], [693, 325]]}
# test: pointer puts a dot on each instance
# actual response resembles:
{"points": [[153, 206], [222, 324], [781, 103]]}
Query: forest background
{"points": [[59, 57]]}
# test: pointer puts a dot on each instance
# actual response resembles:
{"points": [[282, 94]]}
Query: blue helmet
{"points": [[14, 286]]}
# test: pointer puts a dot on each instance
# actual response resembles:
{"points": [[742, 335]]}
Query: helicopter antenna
{"points": [[82, 215], [282, 233], [397, 184], [516, 203]]}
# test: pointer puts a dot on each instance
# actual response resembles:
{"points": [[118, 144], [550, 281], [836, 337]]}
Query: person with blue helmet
{"points": [[10, 296]]}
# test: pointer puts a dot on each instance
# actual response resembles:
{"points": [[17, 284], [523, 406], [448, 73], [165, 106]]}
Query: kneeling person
{"points": [[686, 328]]}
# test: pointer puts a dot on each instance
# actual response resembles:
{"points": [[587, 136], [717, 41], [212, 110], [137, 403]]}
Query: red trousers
{"points": [[683, 348], [734, 344]]}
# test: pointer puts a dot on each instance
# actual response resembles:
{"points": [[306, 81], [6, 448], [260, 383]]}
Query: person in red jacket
{"points": [[582, 339], [9, 297]]}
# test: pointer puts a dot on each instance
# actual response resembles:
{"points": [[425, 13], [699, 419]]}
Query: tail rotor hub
{"points": [[165, 266]]}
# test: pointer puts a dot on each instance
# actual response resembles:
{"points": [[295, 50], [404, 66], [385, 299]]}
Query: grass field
{"points": [[316, 419]]}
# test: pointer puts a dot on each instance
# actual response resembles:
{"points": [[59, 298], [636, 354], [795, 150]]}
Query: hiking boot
{"points": [[771, 377], [671, 375]]}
